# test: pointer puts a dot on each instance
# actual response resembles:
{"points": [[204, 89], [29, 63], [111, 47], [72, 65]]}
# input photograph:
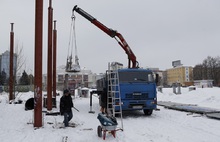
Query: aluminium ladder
{"points": [[113, 95]]}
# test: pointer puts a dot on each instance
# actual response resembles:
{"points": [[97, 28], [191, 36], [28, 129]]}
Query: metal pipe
{"points": [[11, 78], [54, 59], [49, 59], [38, 63]]}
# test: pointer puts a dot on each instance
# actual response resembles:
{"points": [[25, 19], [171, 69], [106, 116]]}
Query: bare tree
{"points": [[21, 60], [198, 72], [213, 68], [20, 64], [209, 69]]}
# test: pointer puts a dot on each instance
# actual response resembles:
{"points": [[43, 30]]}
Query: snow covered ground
{"points": [[162, 126]]}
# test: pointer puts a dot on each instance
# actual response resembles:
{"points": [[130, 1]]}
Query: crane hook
{"points": [[74, 8]]}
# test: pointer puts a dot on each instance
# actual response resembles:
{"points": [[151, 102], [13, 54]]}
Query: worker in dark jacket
{"points": [[66, 105]]}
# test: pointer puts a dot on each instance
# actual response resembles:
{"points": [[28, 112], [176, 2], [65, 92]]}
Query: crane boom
{"points": [[112, 33]]}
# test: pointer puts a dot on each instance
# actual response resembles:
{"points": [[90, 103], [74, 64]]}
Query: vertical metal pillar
{"points": [[38, 63], [174, 88], [49, 59], [90, 111], [11, 78], [54, 59], [178, 88]]}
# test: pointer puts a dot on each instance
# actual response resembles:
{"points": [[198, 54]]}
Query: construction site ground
{"points": [[192, 108]]}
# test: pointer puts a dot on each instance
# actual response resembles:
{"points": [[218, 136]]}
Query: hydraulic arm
{"points": [[112, 33]]}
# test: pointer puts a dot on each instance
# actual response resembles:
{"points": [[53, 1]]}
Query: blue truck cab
{"points": [[137, 89]]}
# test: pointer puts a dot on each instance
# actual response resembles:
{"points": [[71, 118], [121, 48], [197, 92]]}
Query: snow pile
{"points": [[205, 97]]}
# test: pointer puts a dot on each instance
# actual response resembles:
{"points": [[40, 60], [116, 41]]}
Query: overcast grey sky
{"points": [[158, 31]]}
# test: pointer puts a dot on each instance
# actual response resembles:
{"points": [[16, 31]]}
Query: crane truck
{"points": [[124, 89]]}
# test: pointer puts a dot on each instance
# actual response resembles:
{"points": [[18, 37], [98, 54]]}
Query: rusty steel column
{"points": [[11, 77], [49, 58], [54, 59], [38, 63]]}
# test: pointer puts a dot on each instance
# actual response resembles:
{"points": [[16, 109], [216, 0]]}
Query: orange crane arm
{"points": [[112, 33]]}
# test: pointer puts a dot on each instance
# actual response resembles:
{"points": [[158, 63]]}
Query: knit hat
{"points": [[65, 91]]}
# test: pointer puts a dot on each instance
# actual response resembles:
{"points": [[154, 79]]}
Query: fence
{"points": [[26, 88], [18, 88]]}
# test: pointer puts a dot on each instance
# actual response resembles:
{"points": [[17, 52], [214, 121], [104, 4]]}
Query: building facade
{"points": [[5, 63], [84, 78], [180, 74], [203, 83]]}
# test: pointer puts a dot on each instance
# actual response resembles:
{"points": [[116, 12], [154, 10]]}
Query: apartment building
{"points": [[5, 62], [180, 74]]}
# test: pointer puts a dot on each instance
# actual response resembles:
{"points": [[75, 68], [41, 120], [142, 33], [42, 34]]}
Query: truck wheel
{"points": [[148, 112], [99, 131]]}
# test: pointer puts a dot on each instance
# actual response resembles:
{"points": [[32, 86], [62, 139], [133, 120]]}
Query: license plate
{"points": [[137, 106]]}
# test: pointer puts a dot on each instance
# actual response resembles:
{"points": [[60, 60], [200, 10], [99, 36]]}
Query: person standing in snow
{"points": [[66, 105]]}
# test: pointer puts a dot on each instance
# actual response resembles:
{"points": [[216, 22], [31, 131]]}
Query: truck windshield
{"points": [[135, 77]]}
